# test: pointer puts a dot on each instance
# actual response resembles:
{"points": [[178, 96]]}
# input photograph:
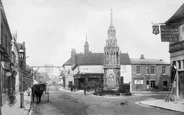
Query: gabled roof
{"points": [[125, 59], [96, 59], [177, 17], [68, 62], [91, 59], [148, 62]]}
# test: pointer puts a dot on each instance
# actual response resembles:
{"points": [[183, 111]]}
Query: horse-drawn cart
{"points": [[37, 91]]}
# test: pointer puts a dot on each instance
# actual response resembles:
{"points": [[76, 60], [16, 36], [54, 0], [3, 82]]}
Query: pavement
{"points": [[161, 103], [15, 109]]}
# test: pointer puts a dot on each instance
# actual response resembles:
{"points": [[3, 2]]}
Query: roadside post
{"points": [[48, 92]]}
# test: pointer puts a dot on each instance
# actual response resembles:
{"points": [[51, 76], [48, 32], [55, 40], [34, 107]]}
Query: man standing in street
{"points": [[84, 89]]}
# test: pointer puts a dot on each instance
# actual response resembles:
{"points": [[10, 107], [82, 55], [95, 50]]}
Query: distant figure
{"points": [[71, 88], [74, 88], [85, 88], [28, 90], [173, 72]]}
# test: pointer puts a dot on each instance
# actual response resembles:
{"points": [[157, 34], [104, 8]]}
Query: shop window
{"points": [[164, 70], [121, 80], [165, 84], [138, 70], [147, 82], [152, 70], [152, 84], [70, 83], [138, 81], [68, 71], [147, 71], [179, 64]]}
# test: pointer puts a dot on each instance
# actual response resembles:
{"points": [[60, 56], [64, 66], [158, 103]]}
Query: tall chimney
{"points": [[73, 52]]}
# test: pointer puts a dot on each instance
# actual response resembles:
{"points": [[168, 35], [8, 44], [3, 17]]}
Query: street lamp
{"points": [[21, 59]]}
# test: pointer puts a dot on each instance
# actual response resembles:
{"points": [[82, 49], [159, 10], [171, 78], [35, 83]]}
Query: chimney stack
{"points": [[73, 52], [142, 56]]}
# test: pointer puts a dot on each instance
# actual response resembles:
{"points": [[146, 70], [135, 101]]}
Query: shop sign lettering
{"points": [[176, 46], [94, 76], [169, 33]]}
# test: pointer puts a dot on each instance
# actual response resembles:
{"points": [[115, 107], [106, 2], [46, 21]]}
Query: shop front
{"points": [[91, 80]]}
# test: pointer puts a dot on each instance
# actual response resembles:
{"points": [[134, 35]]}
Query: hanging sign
{"points": [[169, 33], [8, 74], [155, 29]]}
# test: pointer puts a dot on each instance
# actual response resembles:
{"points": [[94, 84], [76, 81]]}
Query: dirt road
{"points": [[76, 103]]}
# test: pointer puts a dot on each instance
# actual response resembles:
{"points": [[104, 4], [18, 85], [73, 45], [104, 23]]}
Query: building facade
{"points": [[5, 57], [150, 74], [176, 49]]}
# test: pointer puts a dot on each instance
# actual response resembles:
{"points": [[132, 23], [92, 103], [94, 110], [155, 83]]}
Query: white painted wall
{"points": [[69, 75], [126, 72]]}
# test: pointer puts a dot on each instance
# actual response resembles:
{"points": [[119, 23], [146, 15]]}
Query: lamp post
{"points": [[21, 59]]}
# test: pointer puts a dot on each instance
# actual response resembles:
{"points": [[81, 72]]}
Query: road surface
{"points": [[76, 103]]}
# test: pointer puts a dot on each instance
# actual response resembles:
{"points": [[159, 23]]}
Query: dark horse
{"points": [[37, 91]]}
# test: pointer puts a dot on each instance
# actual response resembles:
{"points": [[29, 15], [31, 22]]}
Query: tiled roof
{"points": [[96, 59], [125, 59], [90, 59], [148, 62], [178, 15]]}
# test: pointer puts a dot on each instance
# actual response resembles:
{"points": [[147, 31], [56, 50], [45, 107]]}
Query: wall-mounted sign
{"points": [[94, 76], [178, 46], [8, 74], [169, 33], [138, 81]]}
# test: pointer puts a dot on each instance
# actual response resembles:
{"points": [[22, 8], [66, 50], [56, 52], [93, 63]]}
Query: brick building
{"points": [[150, 74]]}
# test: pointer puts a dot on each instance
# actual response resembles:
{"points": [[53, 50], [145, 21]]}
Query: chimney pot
{"points": [[142, 57]]}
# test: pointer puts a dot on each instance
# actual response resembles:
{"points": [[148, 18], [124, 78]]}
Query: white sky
{"points": [[51, 28]]}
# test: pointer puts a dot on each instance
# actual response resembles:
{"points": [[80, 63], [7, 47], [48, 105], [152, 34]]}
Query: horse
{"points": [[37, 91]]}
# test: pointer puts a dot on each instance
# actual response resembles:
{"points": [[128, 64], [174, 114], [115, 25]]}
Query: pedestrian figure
{"points": [[29, 90], [12, 99], [71, 88], [74, 88], [84, 89]]}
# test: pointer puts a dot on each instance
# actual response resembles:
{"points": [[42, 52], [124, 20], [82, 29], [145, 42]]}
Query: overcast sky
{"points": [[51, 28]]}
